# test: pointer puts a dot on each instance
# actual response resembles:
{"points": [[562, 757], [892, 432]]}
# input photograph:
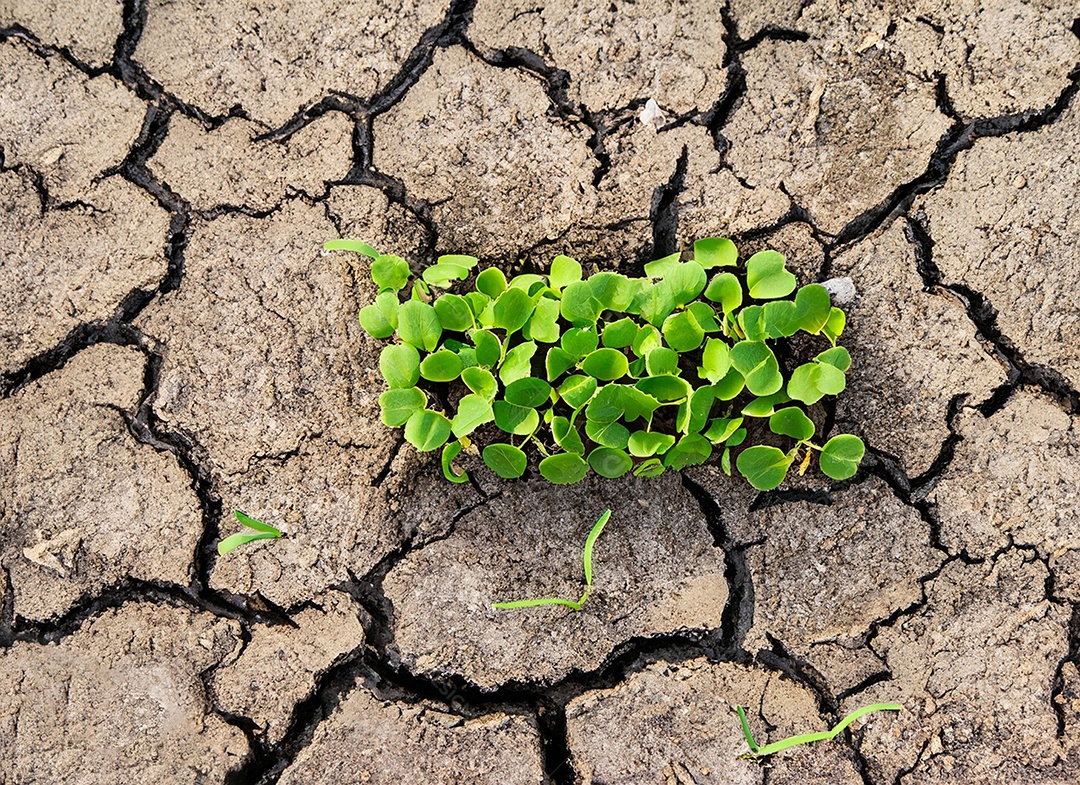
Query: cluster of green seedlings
{"points": [[608, 373]]}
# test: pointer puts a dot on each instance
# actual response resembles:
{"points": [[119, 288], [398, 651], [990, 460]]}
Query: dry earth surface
{"points": [[174, 345]]}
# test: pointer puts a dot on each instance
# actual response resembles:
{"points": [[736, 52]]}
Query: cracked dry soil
{"points": [[174, 345]]}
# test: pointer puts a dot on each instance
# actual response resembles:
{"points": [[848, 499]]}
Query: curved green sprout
{"points": [[264, 531], [586, 558], [805, 738]]}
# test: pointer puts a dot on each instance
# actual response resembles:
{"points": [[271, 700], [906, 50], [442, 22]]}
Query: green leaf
{"points": [[390, 272], [427, 430], [450, 451], [564, 468], [841, 456], [580, 341], [655, 303], [512, 310], [645, 444], [608, 434], [694, 411], [418, 325], [662, 361], [715, 361], [665, 388], [737, 438], [454, 313], [806, 738], [758, 366], [488, 348], [838, 357], [351, 245], [606, 364], [234, 541], [400, 365], [441, 366], [764, 467], [766, 277], [577, 390], [543, 325], [491, 282], [564, 271], [479, 303], [579, 307], [620, 334], [812, 381], [650, 468], [715, 252], [518, 362], [687, 281], [781, 319], [704, 315], [835, 325], [505, 460], [648, 338], [609, 462], [726, 290], [613, 291], [590, 543], [752, 320], [530, 283], [558, 362], [765, 406], [473, 411], [375, 323], [529, 392], [792, 421], [607, 405], [468, 262], [516, 420], [566, 435], [443, 274], [682, 332], [398, 405], [730, 386], [692, 450], [812, 308], [722, 428], [257, 525], [637, 404], [481, 382], [661, 267]]}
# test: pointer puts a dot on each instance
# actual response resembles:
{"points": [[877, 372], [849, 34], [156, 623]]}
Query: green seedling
{"points": [[263, 531], [607, 373], [805, 738], [586, 558]]}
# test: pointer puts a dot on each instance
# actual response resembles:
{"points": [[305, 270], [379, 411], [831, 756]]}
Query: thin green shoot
{"points": [[263, 531], [586, 558], [805, 738]]}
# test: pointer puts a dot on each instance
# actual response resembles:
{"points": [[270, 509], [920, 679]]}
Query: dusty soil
{"points": [[174, 345]]}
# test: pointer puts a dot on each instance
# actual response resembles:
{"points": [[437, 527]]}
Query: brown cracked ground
{"points": [[174, 345]]}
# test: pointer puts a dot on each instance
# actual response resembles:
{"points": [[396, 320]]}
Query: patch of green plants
{"points": [[586, 558], [805, 738], [609, 373], [262, 531]]}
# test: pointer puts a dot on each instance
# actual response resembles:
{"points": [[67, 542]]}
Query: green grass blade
{"points": [[807, 738], [236, 540], [746, 729], [351, 245], [536, 603], [258, 526], [589, 542]]}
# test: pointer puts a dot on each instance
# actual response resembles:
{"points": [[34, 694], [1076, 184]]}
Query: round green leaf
{"points": [[645, 444], [715, 252], [577, 390], [608, 434], [450, 451], [400, 365], [650, 468], [620, 334], [481, 382], [530, 283], [692, 450], [557, 362], [518, 362], [764, 467], [835, 325], [687, 280], [725, 289], [637, 404], [648, 338], [564, 468], [838, 357], [427, 430], [473, 411], [543, 325], [564, 271], [766, 277], [752, 320], [607, 405], [491, 282], [375, 323], [609, 462], [812, 381], [841, 455], [694, 411], [488, 348], [606, 364], [781, 319], [517, 420], [758, 366], [655, 303], [715, 361], [512, 310], [418, 325], [390, 272], [579, 307], [812, 308], [505, 460], [765, 406], [398, 405], [705, 316], [468, 262], [722, 428], [566, 435], [662, 361], [478, 303], [528, 392], [580, 341], [454, 313], [682, 332], [615, 292], [664, 388], [441, 366], [792, 421], [730, 386], [443, 274]]}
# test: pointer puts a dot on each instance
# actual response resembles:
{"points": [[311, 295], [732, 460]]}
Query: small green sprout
{"points": [[805, 738], [264, 531], [586, 559]]}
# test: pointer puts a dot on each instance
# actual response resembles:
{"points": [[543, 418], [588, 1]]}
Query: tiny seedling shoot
{"points": [[805, 738], [586, 559], [263, 531]]}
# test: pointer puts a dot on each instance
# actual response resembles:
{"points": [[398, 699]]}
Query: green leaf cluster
{"points": [[610, 373]]}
